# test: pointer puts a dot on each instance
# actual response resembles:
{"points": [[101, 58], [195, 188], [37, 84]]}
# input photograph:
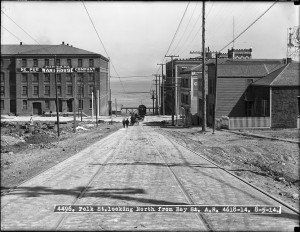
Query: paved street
{"points": [[137, 166]]}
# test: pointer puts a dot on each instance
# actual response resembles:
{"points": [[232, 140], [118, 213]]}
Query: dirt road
{"points": [[137, 167]]}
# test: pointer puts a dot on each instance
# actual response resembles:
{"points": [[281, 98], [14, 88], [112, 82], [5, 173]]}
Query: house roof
{"points": [[246, 70], [61, 49], [287, 75]]}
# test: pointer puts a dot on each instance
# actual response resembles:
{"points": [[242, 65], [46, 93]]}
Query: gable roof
{"points": [[246, 70], [287, 75], [61, 49]]}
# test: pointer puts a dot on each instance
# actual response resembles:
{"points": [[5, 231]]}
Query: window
{"points": [[92, 77], [47, 77], [57, 62], [35, 62], [91, 88], [24, 104], [69, 63], [35, 90], [91, 104], [35, 77], [264, 107], [298, 105], [24, 90], [24, 63], [80, 104], [2, 104], [46, 62], [47, 105], [80, 90], [2, 77], [80, 77], [68, 77], [2, 90], [59, 90], [91, 62], [69, 90], [24, 77], [58, 77], [47, 90], [79, 62]]}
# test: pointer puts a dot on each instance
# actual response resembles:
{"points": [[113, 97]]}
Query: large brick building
{"points": [[28, 79]]}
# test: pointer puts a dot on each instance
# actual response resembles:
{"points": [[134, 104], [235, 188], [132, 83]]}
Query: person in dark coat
{"points": [[127, 122], [123, 122]]}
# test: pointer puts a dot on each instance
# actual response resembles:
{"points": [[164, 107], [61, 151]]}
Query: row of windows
{"points": [[35, 77], [47, 104], [35, 90], [58, 62]]}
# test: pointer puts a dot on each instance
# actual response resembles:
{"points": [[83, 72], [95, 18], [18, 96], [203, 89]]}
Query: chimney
{"points": [[21, 43], [63, 43]]}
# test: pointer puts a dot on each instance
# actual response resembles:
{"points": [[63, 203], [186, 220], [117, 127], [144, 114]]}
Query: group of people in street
{"points": [[133, 120], [125, 122]]}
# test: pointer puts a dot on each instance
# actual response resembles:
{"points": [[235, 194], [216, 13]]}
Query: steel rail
{"points": [[200, 216], [14, 188], [241, 179], [85, 189]]}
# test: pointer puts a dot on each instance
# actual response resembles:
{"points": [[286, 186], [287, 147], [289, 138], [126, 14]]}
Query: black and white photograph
{"points": [[150, 115]]}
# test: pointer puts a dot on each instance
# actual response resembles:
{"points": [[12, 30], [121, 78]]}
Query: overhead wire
{"points": [[172, 40], [12, 34], [248, 26], [20, 27], [103, 44], [185, 29]]}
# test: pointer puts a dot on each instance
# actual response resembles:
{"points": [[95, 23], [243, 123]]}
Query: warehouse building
{"points": [[28, 80]]}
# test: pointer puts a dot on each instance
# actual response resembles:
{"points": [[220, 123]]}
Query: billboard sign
{"points": [[59, 69]]}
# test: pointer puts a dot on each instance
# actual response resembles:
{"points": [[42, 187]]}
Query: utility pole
{"points": [[56, 98], [156, 102], [74, 105], [92, 106], [173, 89], [159, 98], [215, 94], [81, 97], [109, 91], [162, 99], [96, 105], [203, 71], [153, 100]]}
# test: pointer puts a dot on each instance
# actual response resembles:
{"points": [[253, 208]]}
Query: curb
{"points": [[261, 136]]}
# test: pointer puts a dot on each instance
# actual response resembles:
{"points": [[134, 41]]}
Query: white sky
{"points": [[137, 35]]}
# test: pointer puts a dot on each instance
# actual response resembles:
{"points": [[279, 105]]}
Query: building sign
{"points": [[195, 83], [59, 69]]}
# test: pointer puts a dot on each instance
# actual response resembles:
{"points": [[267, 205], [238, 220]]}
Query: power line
{"points": [[102, 44], [174, 34], [12, 34], [20, 27], [249, 26], [185, 28]]}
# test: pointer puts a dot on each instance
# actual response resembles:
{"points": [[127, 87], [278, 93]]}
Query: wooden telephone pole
{"points": [[203, 71], [162, 98]]}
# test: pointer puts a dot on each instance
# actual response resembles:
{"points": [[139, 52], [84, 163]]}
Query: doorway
{"points": [[69, 106], [37, 108]]}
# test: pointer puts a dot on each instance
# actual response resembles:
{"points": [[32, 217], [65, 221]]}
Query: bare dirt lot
{"points": [[25, 154], [271, 165]]}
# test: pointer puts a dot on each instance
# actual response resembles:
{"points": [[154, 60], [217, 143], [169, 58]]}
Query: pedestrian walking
{"points": [[126, 122], [123, 122]]}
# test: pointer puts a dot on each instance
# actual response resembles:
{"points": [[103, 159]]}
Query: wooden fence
{"points": [[244, 122]]}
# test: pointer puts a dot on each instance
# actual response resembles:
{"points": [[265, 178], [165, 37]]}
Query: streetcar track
{"points": [[85, 189], [227, 171], [188, 197], [15, 188]]}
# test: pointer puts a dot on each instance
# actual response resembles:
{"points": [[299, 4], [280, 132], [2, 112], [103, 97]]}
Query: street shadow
{"points": [[157, 164], [112, 193]]}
